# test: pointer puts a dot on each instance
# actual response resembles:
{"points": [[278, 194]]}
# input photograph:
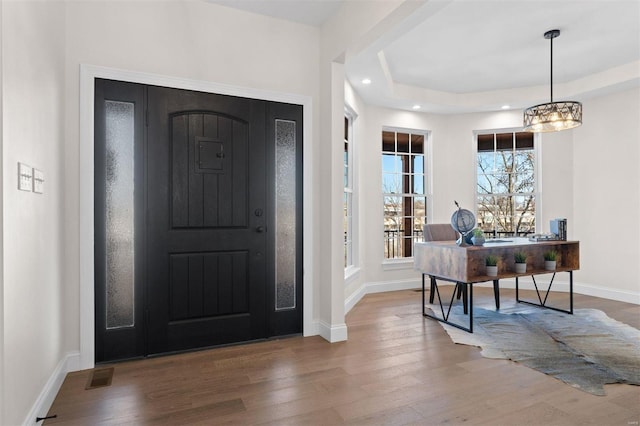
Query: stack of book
{"points": [[559, 227]]}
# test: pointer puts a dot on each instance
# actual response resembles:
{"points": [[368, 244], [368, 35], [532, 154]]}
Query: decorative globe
{"points": [[463, 221]]}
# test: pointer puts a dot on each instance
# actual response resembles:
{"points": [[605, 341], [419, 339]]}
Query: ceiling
{"points": [[309, 12], [455, 56]]}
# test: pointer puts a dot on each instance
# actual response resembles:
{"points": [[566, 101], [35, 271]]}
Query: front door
{"points": [[206, 193], [207, 219]]}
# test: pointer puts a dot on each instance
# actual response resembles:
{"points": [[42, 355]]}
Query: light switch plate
{"points": [[25, 177], [38, 181]]}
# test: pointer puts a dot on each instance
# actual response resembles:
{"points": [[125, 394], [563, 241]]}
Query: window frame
{"points": [[351, 239], [537, 175], [391, 263]]}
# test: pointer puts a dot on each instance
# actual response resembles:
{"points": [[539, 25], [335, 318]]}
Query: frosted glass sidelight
{"points": [[285, 214], [119, 169]]}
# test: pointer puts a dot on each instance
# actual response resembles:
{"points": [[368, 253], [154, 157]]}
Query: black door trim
{"points": [[275, 320]]}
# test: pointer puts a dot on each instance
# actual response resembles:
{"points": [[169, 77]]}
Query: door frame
{"points": [[88, 74]]}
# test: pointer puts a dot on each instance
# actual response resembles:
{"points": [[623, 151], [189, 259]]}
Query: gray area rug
{"points": [[585, 350]]}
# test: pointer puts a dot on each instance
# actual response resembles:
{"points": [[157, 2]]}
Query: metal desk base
{"points": [[467, 299], [543, 303]]}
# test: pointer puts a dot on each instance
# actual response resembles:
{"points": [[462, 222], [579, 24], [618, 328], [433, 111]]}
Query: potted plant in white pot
{"points": [[478, 237], [520, 259], [491, 262], [550, 260]]}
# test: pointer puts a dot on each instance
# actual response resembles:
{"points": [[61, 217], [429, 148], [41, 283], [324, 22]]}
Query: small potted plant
{"points": [[491, 263], [478, 237], [521, 262], [550, 260]]}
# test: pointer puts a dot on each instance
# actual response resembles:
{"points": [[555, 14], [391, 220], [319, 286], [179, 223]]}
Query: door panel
{"points": [[208, 284], [209, 155], [206, 267]]}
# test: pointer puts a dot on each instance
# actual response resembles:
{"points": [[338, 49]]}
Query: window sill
{"points": [[397, 264]]}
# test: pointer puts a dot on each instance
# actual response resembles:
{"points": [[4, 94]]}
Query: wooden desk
{"points": [[444, 260]]}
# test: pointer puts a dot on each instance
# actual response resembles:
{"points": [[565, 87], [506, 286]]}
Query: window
{"points": [[506, 184], [403, 189], [348, 203]]}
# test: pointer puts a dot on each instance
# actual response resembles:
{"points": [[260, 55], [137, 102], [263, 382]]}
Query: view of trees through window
{"points": [[506, 183], [403, 188]]}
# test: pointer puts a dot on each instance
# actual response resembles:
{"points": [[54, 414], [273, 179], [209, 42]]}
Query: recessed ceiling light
{"points": [[366, 81], [505, 106], [416, 106]]}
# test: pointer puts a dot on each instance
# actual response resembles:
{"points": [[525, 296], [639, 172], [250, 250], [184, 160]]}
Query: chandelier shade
{"points": [[552, 116]]}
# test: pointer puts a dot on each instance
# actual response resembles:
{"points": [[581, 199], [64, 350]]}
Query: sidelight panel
{"points": [[119, 217], [285, 153]]}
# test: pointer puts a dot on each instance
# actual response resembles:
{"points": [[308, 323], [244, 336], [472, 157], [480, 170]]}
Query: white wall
{"points": [[588, 175], [606, 195], [33, 133]]}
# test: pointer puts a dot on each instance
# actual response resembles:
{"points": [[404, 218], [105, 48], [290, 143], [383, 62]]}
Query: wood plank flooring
{"points": [[396, 368]]}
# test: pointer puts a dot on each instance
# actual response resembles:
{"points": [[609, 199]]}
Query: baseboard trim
{"points": [[40, 408], [354, 298], [310, 328], [378, 287], [608, 293], [332, 333]]}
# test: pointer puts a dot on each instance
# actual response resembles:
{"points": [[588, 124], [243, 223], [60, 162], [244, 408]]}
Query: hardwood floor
{"points": [[396, 368]]}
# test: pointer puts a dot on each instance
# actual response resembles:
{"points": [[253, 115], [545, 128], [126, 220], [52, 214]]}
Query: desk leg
{"points": [[517, 291], [470, 307], [543, 302], [496, 292], [432, 289], [462, 288], [467, 303], [423, 312], [571, 292]]}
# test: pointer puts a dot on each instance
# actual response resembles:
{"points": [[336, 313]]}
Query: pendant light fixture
{"points": [[553, 116]]}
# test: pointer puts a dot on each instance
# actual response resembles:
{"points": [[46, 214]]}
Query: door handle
{"points": [[260, 229]]}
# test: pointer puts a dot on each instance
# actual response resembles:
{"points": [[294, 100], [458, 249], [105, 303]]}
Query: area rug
{"points": [[585, 350]]}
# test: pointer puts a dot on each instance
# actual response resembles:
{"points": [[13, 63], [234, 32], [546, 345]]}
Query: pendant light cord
{"points": [[551, 71], [551, 34]]}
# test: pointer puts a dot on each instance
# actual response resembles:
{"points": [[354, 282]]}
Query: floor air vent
{"points": [[100, 378]]}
